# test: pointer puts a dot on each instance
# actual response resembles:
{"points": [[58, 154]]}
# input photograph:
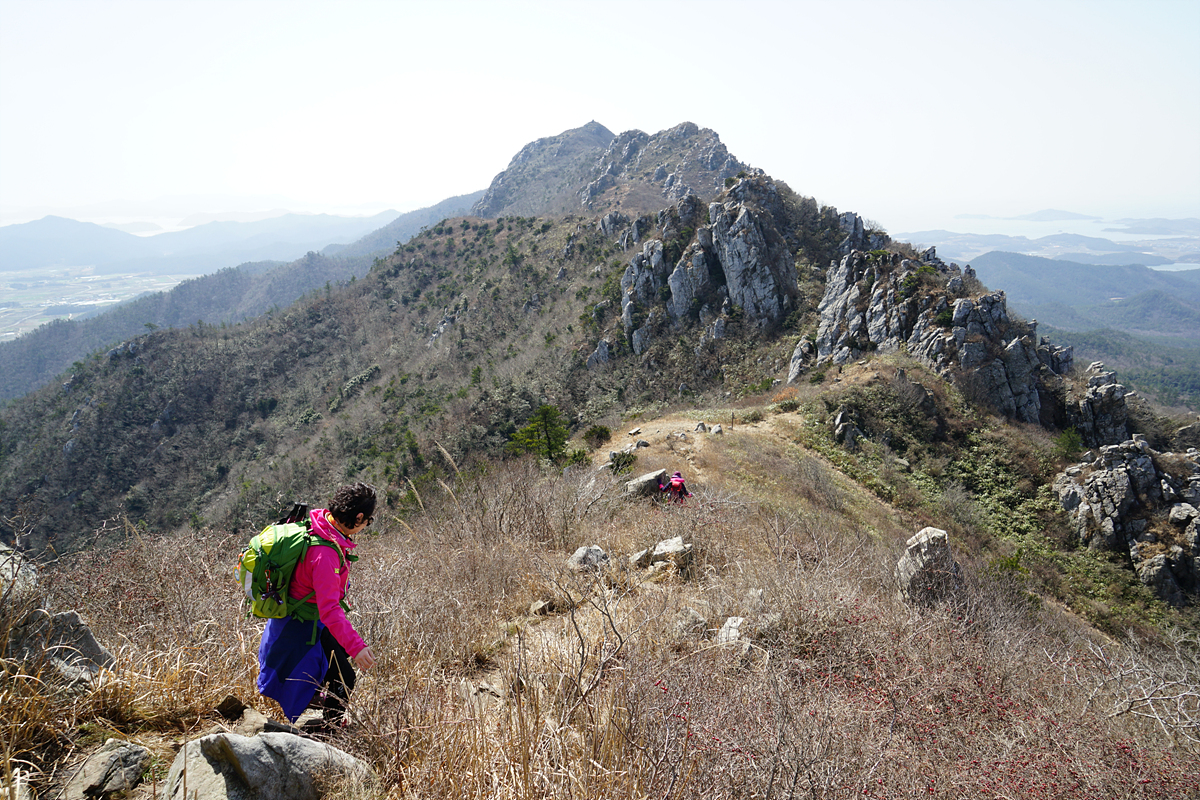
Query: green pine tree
{"points": [[546, 435]]}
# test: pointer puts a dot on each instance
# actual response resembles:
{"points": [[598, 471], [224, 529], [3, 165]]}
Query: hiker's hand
{"points": [[364, 659]]}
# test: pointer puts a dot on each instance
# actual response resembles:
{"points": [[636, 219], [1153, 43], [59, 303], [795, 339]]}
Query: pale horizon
{"points": [[909, 113]]}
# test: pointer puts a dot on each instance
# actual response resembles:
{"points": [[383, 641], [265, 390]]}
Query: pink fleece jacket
{"points": [[322, 572]]}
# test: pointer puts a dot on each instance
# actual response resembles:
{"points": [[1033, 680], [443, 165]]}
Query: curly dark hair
{"points": [[350, 501]]}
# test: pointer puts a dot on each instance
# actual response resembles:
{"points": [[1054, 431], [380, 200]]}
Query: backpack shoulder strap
{"points": [[302, 602], [314, 539]]}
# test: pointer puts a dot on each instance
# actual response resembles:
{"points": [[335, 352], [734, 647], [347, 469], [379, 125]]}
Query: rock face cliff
{"points": [[738, 255], [879, 301], [589, 169], [1132, 499], [737, 262], [940, 314]]}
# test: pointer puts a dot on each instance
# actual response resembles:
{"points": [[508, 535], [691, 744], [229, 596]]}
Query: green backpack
{"points": [[264, 569]]}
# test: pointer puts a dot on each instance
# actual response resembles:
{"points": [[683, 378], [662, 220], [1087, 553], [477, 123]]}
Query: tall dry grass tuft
{"points": [[835, 687], [168, 611], [842, 688]]}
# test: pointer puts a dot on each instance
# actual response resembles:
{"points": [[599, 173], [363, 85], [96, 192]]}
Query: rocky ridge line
{"points": [[1132, 499], [880, 301]]}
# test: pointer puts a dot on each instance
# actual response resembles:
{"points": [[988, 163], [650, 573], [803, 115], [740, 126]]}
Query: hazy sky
{"points": [[907, 111]]}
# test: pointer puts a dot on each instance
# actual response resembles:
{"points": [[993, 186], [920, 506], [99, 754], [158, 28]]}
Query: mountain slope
{"points": [[226, 296], [435, 358], [455, 337]]}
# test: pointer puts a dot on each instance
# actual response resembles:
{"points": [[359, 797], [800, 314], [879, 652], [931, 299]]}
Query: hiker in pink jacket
{"points": [[293, 668], [675, 488]]}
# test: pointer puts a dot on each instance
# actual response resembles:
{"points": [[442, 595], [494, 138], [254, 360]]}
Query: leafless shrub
{"points": [[819, 485], [1148, 682], [957, 510], [839, 688]]}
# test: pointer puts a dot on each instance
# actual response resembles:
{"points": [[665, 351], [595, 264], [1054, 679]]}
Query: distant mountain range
{"points": [[1070, 246], [1078, 297], [1045, 215], [57, 241]]}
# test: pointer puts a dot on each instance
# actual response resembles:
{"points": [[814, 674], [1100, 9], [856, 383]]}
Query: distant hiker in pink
{"points": [[297, 659], [675, 488]]}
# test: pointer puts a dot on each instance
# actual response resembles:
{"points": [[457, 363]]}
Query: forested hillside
{"points": [[829, 393], [453, 339], [224, 297], [1031, 281], [229, 295]]}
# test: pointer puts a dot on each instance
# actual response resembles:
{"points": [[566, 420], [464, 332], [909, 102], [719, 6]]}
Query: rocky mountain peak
{"points": [[544, 173], [591, 169], [638, 172]]}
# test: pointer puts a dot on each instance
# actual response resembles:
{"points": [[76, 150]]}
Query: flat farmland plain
{"points": [[31, 298]]}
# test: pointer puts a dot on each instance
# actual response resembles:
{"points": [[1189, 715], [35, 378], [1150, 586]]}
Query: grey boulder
{"points": [[270, 766]]}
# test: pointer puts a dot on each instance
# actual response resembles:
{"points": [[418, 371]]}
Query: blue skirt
{"points": [[290, 670]]}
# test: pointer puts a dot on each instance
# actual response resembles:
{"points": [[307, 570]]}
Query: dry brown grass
{"points": [[839, 689]]}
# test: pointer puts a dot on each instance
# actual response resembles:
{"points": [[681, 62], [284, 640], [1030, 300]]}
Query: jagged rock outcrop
{"points": [[857, 235], [887, 303], [270, 766], [760, 276], [1130, 498], [738, 261], [645, 275], [1100, 414]]}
